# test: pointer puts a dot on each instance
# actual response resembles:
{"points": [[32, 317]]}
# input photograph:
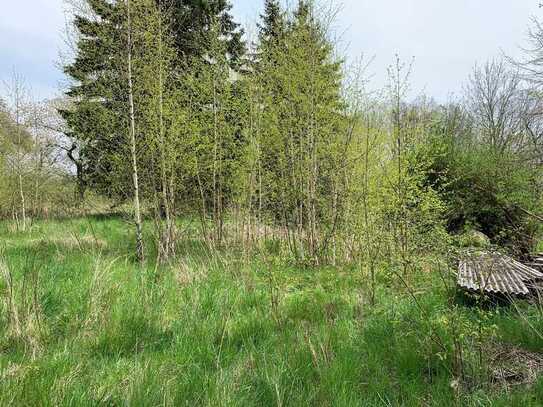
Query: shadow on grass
{"points": [[486, 301], [131, 335]]}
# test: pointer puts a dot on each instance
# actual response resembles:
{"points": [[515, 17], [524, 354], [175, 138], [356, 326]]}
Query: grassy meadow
{"points": [[288, 216], [82, 324]]}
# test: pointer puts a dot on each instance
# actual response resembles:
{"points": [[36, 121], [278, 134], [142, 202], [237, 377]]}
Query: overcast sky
{"points": [[446, 37]]}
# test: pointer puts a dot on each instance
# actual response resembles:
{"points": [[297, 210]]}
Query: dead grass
{"points": [[512, 366], [73, 242], [187, 272]]}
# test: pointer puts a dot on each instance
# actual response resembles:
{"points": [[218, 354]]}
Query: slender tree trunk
{"points": [[205, 233], [314, 180], [17, 89], [23, 204], [167, 232], [217, 170], [133, 152], [368, 236]]}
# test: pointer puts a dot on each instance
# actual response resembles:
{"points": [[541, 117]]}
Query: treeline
{"points": [[277, 142], [33, 173], [174, 113]]}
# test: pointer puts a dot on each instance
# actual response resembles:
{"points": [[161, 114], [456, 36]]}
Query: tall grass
{"points": [[95, 329]]}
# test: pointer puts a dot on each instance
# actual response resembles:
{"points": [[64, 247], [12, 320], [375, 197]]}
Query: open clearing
{"points": [[95, 329]]}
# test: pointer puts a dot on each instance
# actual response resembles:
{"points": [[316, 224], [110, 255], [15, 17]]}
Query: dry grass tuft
{"points": [[187, 273], [11, 370], [20, 304], [73, 242], [512, 366]]}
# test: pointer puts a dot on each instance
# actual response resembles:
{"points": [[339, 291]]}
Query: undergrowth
{"points": [[81, 324]]}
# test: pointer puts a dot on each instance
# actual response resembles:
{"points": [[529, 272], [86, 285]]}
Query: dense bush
{"points": [[494, 192]]}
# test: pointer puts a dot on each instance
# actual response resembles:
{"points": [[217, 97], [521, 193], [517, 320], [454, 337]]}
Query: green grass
{"points": [[211, 330]]}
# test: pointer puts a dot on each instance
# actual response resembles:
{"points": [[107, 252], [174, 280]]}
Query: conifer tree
{"points": [[98, 90], [272, 25], [194, 21], [304, 134], [98, 97]]}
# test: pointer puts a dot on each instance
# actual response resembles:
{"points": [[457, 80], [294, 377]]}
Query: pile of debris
{"points": [[536, 262], [513, 366], [496, 273]]}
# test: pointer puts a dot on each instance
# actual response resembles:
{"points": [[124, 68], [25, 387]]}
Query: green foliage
{"points": [[34, 183], [312, 261], [205, 330], [281, 143], [272, 27], [97, 119], [488, 190], [302, 129], [196, 23], [473, 238]]}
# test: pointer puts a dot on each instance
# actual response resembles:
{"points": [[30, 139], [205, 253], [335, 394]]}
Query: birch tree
{"points": [[132, 131], [21, 145], [306, 134]]}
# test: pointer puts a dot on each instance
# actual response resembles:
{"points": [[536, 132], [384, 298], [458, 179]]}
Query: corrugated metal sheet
{"points": [[536, 262], [496, 273]]}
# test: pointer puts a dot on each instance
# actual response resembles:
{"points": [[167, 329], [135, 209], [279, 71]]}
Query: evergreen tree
{"points": [[96, 120], [193, 23], [304, 133], [272, 25], [303, 11], [98, 95]]}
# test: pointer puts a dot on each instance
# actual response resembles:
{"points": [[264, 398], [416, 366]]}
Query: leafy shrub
{"points": [[491, 191]]}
